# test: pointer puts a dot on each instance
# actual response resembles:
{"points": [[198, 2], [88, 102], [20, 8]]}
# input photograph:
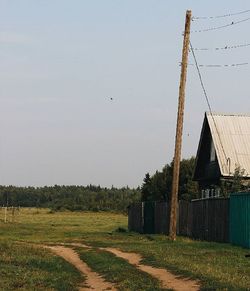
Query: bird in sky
{"points": [[111, 98]]}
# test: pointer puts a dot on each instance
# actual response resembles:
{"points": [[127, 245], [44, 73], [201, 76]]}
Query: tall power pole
{"points": [[179, 128]]}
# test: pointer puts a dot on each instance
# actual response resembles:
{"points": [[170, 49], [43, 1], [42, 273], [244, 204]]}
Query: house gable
{"points": [[207, 170], [224, 147]]}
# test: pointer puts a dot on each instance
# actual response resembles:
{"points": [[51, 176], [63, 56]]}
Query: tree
{"points": [[146, 189], [236, 184], [158, 186]]}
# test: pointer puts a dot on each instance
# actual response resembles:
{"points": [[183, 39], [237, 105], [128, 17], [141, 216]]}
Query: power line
{"points": [[219, 65], [206, 97], [222, 26], [226, 47], [220, 16], [201, 81]]}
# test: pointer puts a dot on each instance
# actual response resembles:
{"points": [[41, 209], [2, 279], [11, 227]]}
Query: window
{"points": [[212, 152], [217, 192]]}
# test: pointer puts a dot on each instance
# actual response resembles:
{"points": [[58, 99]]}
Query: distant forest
{"points": [[95, 198]]}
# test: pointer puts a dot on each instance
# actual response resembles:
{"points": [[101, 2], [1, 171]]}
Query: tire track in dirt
{"points": [[167, 279], [93, 280]]}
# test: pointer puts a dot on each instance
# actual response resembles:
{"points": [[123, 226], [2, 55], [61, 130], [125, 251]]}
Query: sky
{"points": [[62, 62]]}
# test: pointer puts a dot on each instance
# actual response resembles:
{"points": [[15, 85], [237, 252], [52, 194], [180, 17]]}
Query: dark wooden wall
{"points": [[135, 217], [206, 219], [185, 218], [162, 211], [211, 219]]}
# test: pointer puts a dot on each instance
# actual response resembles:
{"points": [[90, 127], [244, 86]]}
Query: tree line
{"points": [[92, 198], [156, 187]]}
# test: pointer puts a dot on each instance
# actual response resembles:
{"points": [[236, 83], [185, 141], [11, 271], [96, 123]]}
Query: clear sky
{"points": [[62, 61]]}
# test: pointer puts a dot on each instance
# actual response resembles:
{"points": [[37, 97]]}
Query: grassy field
{"points": [[23, 267], [28, 268]]}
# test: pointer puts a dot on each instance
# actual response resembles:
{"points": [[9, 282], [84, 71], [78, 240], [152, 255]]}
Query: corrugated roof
{"points": [[231, 137]]}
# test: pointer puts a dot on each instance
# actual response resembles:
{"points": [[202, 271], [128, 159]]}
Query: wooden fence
{"points": [[205, 219], [149, 217], [185, 218], [135, 217], [210, 220], [162, 217]]}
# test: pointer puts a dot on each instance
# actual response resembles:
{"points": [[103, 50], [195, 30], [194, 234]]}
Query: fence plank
{"points": [[162, 212], [149, 217], [183, 217], [135, 217]]}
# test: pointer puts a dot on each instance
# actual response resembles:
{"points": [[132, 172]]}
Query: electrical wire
{"points": [[226, 47], [220, 27], [200, 77], [219, 65], [207, 99], [220, 16]]}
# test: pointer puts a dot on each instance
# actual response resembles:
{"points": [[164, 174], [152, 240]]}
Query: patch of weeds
{"points": [[150, 237], [121, 229]]}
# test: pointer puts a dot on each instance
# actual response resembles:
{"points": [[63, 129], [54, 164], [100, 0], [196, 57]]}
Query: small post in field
{"points": [[13, 213], [5, 214]]}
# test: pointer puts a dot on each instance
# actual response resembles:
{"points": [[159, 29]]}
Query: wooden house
{"points": [[224, 147]]}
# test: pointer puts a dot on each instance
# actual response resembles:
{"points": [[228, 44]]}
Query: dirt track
{"points": [[167, 279], [95, 282]]}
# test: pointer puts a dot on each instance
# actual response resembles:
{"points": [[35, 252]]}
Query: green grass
{"points": [[217, 266], [43, 226], [29, 268]]}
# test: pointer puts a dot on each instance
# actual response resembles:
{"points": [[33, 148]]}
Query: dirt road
{"points": [[93, 281], [167, 279]]}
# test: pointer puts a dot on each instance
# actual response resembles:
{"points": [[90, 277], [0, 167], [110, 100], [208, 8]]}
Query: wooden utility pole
{"points": [[179, 127]]}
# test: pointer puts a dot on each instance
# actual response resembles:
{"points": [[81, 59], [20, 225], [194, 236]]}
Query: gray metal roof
{"points": [[231, 137]]}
